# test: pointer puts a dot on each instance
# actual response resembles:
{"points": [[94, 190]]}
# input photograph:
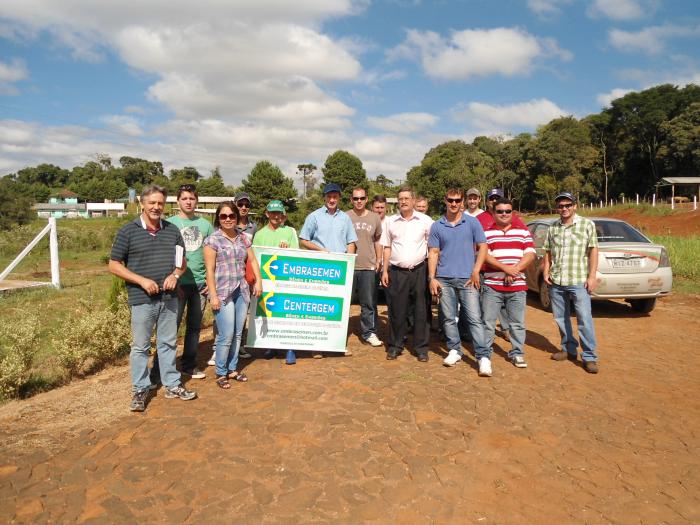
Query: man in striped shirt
{"points": [[510, 252]]}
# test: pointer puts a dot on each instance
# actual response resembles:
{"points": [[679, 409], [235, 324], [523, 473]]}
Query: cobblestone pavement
{"points": [[361, 439]]}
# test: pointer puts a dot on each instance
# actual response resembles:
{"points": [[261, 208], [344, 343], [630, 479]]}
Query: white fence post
{"points": [[695, 202], [653, 200], [637, 199], [53, 250]]}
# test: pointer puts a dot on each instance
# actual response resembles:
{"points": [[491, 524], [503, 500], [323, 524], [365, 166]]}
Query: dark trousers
{"points": [[365, 292], [408, 287]]}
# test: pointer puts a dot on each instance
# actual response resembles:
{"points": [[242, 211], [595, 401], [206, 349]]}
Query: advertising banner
{"points": [[305, 302]]}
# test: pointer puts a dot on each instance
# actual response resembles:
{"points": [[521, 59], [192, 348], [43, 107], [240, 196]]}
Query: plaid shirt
{"points": [[568, 246], [230, 264]]}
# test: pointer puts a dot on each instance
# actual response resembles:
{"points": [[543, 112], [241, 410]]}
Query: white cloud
{"points": [[622, 9], [495, 117], [403, 122], [123, 124], [605, 99], [547, 8], [11, 73], [651, 40], [477, 52]]}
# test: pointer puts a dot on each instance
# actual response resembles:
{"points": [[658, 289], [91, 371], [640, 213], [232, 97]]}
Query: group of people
{"points": [[471, 261]]}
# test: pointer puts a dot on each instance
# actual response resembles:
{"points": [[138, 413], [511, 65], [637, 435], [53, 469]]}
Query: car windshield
{"points": [[613, 231]]}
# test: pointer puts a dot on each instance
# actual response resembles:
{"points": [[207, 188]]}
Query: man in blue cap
{"points": [[328, 229]]}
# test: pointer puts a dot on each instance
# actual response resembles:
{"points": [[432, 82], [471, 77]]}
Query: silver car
{"points": [[630, 266]]}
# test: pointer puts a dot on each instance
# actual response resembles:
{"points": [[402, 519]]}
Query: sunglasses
{"points": [[227, 216], [453, 201], [564, 206], [243, 204], [501, 212], [187, 187], [359, 198]]}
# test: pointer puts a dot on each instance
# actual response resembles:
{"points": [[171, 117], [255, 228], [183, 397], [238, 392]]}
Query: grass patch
{"points": [[641, 208], [684, 253]]}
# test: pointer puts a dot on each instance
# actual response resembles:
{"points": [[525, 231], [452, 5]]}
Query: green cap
{"points": [[275, 206]]}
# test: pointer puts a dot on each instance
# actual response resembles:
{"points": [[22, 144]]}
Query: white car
{"points": [[630, 266]]}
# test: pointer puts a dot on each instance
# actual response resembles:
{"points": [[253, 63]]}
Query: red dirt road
{"points": [[361, 439]]}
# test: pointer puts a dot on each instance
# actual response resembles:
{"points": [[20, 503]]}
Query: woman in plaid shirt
{"points": [[225, 255]]}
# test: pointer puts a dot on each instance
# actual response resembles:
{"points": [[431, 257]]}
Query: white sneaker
{"points": [[485, 367], [212, 361], [373, 340], [198, 374], [452, 358], [519, 361]]}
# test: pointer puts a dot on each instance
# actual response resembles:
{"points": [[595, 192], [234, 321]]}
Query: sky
{"points": [[229, 83]]}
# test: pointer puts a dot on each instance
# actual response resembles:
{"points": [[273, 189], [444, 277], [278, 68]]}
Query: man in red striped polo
{"points": [[510, 251]]}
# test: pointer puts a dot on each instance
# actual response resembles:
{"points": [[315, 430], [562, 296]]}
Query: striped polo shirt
{"points": [[148, 254], [508, 247]]}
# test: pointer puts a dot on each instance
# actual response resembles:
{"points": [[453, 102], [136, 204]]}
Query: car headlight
{"points": [[664, 261]]}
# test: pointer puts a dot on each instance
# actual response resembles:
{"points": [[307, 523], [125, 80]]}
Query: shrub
{"points": [[98, 336], [18, 340]]}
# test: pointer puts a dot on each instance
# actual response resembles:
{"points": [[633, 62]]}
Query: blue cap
{"points": [[497, 192], [565, 195], [331, 187]]}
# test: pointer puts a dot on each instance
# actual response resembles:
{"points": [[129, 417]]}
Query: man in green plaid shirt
{"points": [[570, 265]]}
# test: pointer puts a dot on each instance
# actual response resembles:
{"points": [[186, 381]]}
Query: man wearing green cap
{"points": [[277, 235]]}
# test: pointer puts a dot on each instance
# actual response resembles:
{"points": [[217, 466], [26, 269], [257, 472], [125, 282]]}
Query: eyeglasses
{"points": [[564, 206], [187, 187], [243, 204], [453, 201], [359, 198], [227, 216], [501, 212]]}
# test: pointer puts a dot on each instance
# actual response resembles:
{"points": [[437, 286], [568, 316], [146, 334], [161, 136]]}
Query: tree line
{"points": [[625, 149]]}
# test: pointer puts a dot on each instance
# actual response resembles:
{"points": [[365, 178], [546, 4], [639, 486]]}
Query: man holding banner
{"points": [[329, 229], [277, 235]]}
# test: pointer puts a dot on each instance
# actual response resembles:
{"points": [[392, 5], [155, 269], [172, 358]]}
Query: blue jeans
{"points": [[195, 301], [364, 286], [230, 319], [456, 294], [493, 303], [161, 315], [561, 297]]}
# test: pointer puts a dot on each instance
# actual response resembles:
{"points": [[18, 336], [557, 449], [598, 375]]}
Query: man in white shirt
{"points": [[404, 275], [473, 202]]}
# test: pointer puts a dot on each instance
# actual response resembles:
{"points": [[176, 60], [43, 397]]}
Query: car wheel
{"points": [[545, 300], [643, 306]]}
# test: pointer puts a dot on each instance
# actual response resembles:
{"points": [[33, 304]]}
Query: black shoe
{"points": [[423, 358], [391, 356]]}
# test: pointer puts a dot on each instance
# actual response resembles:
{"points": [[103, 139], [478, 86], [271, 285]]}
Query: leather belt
{"points": [[412, 269]]}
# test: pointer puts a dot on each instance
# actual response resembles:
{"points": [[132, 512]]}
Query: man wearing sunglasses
{"points": [[453, 273], [368, 228], [245, 224], [510, 252], [570, 265]]}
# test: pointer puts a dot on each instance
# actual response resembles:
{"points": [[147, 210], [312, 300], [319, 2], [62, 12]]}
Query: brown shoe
{"points": [[563, 356], [591, 367]]}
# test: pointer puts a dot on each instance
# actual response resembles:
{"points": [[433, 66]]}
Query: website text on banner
{"points": [[305, 303]]}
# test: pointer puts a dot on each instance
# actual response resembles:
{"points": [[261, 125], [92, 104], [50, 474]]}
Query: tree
{"points": [[680, 152], [15, 208], [266, 182], [546, 187], [451, 164], [186, 175], [46, 174], [214, 186], [346, 170], [139, 172], [308, 181]]}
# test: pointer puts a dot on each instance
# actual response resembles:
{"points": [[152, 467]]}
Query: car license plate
{"points": [[626, 263]]}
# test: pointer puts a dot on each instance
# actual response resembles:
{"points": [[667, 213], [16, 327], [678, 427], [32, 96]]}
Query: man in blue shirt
{"points": [[329, 229], [453, 275]]}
